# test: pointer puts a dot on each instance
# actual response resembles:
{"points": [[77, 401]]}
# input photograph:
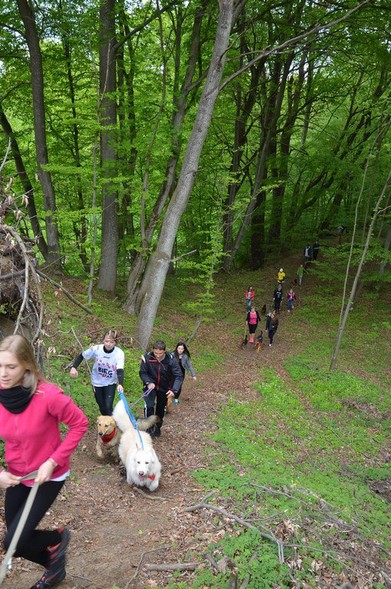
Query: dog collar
{"points": [[108, 437]]}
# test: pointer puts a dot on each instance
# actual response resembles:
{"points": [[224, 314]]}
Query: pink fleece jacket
{"points": [[33, 436]]}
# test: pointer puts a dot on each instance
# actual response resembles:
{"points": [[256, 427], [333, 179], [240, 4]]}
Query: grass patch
{"points": [[301, 453]]}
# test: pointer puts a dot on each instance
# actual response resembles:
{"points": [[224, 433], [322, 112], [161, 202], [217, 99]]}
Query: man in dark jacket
{"points": [[162, 376]]}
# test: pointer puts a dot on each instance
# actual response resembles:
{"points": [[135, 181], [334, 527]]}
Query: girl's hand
{"points": [[120, 388], [45, 471], [73, 372], [8, 480]]}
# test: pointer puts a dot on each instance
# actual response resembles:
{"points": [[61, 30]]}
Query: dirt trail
{"points": [[113, 525]]}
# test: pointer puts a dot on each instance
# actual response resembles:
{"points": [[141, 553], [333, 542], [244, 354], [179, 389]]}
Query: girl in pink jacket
{"points": [[31, 411]]}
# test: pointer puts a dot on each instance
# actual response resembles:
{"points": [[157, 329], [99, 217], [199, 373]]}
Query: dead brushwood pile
{"points": [[20, 293]]}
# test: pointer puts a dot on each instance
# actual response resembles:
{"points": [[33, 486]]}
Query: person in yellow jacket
{"points": [[280, 276]]}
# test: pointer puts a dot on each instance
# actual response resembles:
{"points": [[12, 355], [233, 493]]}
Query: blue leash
{"points": [[131, 416]]}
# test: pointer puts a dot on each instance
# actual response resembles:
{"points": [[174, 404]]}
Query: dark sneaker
{"points": [[154, 431], [44, 583], [57, 560]]}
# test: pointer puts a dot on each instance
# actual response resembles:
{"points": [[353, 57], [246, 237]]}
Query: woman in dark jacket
{"points": [[271, 326], [182, 356]]}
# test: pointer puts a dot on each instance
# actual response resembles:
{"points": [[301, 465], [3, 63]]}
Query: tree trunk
{"points": [[36, 69], [79, 228], [154, 280], [244, 112], [107, 73], [345, 313], [27, 186], [387, 243], [133, 302], [294, 88]]}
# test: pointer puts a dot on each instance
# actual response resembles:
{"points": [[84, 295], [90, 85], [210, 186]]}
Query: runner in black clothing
{"points": [[160, 372], [277, 298]]}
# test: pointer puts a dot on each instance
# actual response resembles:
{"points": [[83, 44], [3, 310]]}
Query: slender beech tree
{"points": [[26, 183], [148, 226], [107, 75], [345, 311], [155, 275], [37, 85]]}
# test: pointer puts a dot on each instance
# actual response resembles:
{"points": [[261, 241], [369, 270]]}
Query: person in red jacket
{"points": [[31, 411], [250, 294]]}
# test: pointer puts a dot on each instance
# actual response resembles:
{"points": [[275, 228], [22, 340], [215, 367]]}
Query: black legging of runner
{"points": [[177, 395], [277, 305], [104, 396], [32, 543], [271, 333]]}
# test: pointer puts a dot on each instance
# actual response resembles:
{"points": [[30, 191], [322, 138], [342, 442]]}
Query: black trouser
{"points": [[161, 401], [32, 543], [271, 333], [277, 305], [104, 396]]}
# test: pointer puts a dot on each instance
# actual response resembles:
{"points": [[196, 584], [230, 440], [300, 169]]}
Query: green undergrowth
{"points": [[70, 331], [306, 450]]}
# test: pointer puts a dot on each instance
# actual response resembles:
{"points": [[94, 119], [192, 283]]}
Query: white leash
{"points": [[19, 528]]}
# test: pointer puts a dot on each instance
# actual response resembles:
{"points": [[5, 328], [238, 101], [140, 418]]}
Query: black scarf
{"points": [[15, 399]]}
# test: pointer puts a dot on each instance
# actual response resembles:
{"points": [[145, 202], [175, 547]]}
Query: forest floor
{"points": [[118, 533]]}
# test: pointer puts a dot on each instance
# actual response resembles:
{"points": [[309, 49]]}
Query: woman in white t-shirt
{"points": [[107, 371]]}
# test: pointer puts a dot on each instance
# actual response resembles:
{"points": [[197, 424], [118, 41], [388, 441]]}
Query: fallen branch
{"points": [[212, 561], [268, 534], [140, 563], [65, 291], [11, 275], [179, 566]]}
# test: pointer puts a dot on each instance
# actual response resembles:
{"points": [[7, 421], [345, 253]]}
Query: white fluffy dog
{"points": [[142, 465]]}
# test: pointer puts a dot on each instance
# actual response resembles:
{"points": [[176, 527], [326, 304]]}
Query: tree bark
{"points": [[37, 84], [133, 299], [155, 276], [107, 74], [244, 108], [79, 228], [387, 243], [27, 186], [345, 313]]}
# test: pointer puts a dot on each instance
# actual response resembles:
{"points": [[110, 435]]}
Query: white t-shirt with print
{"points": [[106, 364]]}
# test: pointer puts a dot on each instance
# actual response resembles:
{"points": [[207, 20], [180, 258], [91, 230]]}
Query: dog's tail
{"points": [[145, 423], [123, 422]]}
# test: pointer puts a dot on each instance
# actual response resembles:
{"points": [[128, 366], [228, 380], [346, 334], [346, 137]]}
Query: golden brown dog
{"points": [[109, 436]]}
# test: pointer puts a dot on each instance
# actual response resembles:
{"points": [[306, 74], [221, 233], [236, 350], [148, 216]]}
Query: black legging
{"points": [[32, 543], [271, 333], [104, 396]]}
